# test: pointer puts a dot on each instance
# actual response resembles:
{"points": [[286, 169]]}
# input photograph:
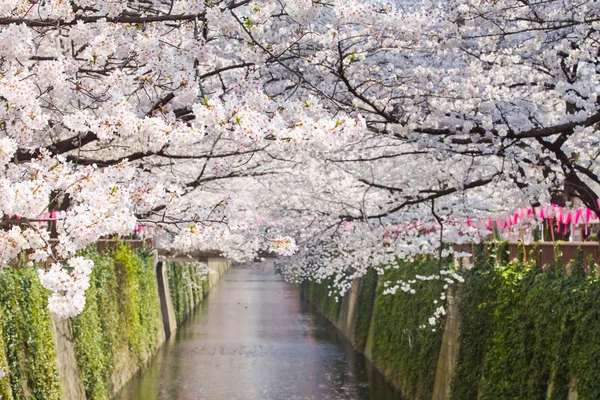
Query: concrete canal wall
{"points": [[514, 329], [134, 304], [380, 327]]}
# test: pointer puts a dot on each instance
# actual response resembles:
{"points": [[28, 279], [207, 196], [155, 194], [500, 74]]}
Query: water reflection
{"points": [[255, 340]]}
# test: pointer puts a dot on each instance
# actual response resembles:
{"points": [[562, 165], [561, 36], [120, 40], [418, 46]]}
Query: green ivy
{"points": [[364, 308], [120, 326], [402, 349], [5, 392], [324, 297], [187, 288], [90, 337], [527, 332], [150, 316], [475, 325], [27, 337], [406, 352], [175, 275], [197, 287], [119, 329]]}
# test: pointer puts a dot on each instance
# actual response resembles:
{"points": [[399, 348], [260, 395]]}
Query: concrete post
{"points": [[218, 267], [166, 304], [70, 378], [449, 352]]}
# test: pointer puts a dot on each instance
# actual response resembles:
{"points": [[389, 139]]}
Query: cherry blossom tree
{"points": [[347, 132], [474, 108], [128, 112]]}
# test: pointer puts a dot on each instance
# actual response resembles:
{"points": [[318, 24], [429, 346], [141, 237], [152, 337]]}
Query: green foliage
{"points": [[584, 357], [5, 392], [558, 267], [197, 284], [151, 329], [90, 337], [364, 307], [205, 287], [26, 329], [535, 258], [187, 288], [324, 297], [476, 316], [593, 267], [406, 352], [577, 265], [527, 332], [524, 330], [127, 271], [120, 326], [502, 255], [118, 331], [178, 295]]}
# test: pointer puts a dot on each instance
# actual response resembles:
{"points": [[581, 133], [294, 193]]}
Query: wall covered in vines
{"points": [[115, 336], [528, 332], [405, 346], [187, 286], [27, 338], [322, 296], [364, 308], [5, 392], [120, 328]]}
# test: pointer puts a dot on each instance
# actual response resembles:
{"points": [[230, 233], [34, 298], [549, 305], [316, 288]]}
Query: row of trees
{"points": [[361, 130]]}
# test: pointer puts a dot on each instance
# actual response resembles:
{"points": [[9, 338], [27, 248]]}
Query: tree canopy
{"points": [[342, 133]]}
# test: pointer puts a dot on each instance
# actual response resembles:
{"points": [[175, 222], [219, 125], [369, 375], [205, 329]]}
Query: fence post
{"points": [[166, 304]]}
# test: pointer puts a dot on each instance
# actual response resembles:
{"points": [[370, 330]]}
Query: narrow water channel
{"points": [[253, 339]]}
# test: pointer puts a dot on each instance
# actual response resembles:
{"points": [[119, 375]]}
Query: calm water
{"points": [[253, 339]]}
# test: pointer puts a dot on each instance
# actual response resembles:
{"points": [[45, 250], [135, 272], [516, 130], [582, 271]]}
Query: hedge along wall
{"points": [[400, 347], [27, 341], [405, 347], [187, 286], [120, 328], [528, 333], [364, 310], [320, 295], [5, 392], [115, 336]]}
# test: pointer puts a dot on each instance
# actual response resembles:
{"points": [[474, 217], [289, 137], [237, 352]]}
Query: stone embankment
{"points": [[518, 327], [134, 304]]}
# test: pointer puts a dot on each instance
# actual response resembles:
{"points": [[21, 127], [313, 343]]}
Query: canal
{"points": [[254, 339]]}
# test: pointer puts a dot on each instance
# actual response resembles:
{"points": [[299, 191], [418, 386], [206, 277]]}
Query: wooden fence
{"points": [[104, 245], [547, 251], [111, 244]]}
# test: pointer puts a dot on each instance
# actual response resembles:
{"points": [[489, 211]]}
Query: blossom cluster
{"points": [[199, 269], [68, 289], [284, 246]]}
